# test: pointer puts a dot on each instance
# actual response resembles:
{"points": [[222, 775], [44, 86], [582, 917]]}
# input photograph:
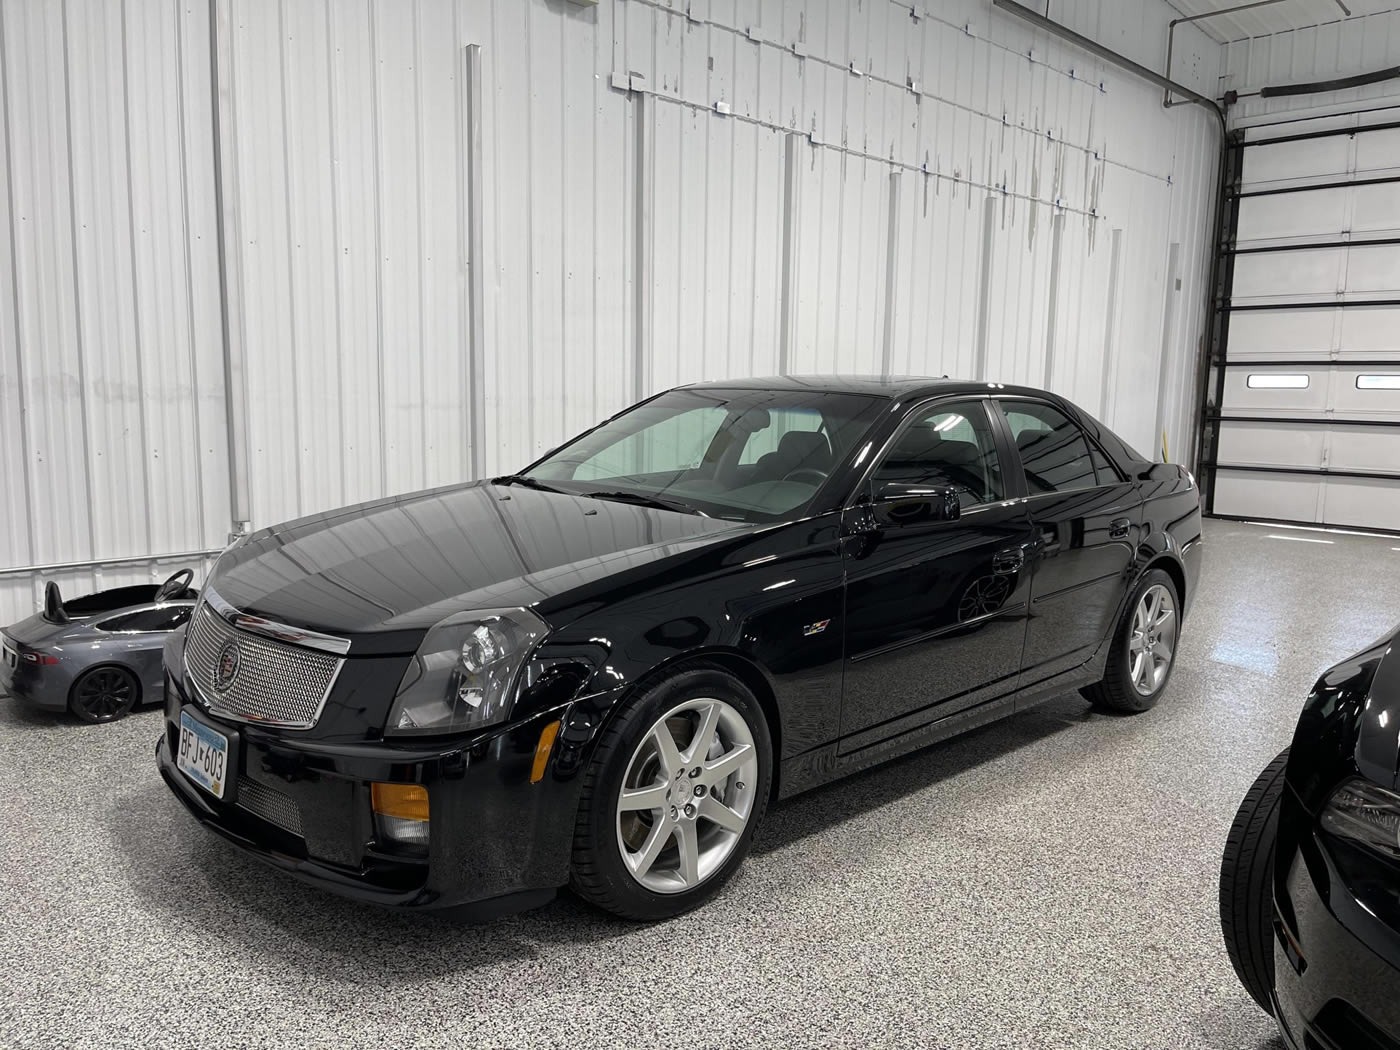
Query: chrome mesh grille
{"points": [[269, 804], [274, 683]]}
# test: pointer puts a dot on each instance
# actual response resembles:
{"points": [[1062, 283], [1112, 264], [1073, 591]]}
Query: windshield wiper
{"points": [[525, 480], [643, 500]]}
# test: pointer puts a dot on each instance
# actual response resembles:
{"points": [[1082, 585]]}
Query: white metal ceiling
{"points": [[1275, 17]]}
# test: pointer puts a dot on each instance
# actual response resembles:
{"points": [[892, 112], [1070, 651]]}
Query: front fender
{"points": [[1350, 724]]}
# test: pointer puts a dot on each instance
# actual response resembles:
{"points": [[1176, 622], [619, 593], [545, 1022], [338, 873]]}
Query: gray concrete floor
{"points": [[1046, 882]]}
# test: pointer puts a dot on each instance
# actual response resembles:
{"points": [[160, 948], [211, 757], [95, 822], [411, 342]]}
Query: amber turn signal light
{"points": [[405, 801], [542, 750]]}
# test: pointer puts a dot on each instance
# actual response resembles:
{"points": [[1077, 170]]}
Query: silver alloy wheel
{"points": [[687, 795], [1153, 640]]}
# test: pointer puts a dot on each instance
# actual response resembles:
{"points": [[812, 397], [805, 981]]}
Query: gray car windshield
{"points": [[746, 455]]}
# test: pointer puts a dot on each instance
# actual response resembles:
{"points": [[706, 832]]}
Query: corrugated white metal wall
{"points": [[1323, 52], [112, 424], [671, 191]]}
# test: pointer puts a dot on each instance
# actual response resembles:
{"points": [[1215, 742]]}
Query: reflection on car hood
{"points": [[405, 563]]}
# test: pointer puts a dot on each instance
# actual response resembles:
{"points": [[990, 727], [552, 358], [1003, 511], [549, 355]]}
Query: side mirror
{"points": [[897, 503]]}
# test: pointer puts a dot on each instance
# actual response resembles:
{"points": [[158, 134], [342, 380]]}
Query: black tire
{"points": [[104, 694], [1116, 691], [1247, 887], [599, 874]]}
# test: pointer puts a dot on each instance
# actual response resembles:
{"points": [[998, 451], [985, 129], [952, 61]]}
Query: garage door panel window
{"points": [[1277, 381], [1055, 454], [949, 447], [1379, 382]]}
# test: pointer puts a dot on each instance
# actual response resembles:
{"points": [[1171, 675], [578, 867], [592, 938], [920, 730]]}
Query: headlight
{"points": [[463, 674], [1364, 813]]}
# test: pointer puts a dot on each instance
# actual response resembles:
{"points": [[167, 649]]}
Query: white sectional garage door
{"points": [[1309, 407]]}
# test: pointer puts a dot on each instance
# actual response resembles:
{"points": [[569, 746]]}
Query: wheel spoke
{"points": [[645, 798], [695, 788], [688, 848], [1137, 643], [704, 735], [641, 861], [1162, 620], [666, 751], [1140, 661], [728, 763], [1162, 651], [715, 811]]}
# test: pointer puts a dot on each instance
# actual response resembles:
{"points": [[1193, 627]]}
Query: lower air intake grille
{"points": [[269, 804]]}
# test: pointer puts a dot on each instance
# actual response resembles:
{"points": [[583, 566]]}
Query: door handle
{"points": [[1118, 528], [1008, 560]]}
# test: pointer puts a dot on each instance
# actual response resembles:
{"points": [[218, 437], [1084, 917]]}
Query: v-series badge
{"points": [[814, 628]]}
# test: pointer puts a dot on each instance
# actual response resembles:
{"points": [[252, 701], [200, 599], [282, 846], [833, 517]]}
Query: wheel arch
{"points": [[104, 665], [1172, 567], [736, 663]]}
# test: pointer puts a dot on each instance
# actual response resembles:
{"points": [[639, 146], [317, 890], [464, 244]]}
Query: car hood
{"points": [[384, 572]]}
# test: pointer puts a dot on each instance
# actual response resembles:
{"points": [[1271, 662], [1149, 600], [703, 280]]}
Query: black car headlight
{"points": [[1367, 814], [463, 675]]}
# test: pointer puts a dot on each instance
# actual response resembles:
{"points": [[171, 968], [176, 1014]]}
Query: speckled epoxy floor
{"points": [[1045, 882]]}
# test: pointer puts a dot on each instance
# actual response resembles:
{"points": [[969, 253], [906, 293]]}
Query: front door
{"points": [[935, 610], [1087, 518]]}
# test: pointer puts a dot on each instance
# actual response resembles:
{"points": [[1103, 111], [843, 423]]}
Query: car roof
{"points": [[894, 386]]}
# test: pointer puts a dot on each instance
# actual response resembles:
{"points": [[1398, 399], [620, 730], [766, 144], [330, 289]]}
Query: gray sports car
{"points": [[99, 655]]}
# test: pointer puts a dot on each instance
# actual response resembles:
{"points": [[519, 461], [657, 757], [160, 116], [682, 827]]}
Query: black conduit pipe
{"points": [[1340, 84]]}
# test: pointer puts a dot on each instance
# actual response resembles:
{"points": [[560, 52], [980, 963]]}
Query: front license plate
{"points": [[203, 755]]}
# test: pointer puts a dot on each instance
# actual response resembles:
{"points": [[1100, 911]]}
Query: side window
{"points": [[166, 619], [949, 446], [1107, 473], [1054, 451]]}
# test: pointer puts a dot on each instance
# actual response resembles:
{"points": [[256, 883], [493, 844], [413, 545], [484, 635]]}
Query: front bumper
{"points": [[497, 842], [1341, 989]]}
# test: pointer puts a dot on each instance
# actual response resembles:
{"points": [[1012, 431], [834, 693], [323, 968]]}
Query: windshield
{"points": [[747, 455]]}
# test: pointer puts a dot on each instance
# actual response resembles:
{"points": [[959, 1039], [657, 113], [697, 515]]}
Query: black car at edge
{"points": [[1310, 879], [598, 672]]}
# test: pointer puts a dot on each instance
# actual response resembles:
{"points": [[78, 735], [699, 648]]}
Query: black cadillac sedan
{"points": [[599, 671], [1310, 878]]}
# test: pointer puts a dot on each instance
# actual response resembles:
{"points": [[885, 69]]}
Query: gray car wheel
{"points": [[671, 798], [1143, 650], [104, 694]]}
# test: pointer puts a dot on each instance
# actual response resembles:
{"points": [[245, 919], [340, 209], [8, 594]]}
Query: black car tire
{"points": [[116, 683], [599, 874], [1115, 691], [1246, 884]]}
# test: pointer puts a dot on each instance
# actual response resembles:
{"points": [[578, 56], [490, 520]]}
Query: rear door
{"points": [[1087, 518], [935, 610]]}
